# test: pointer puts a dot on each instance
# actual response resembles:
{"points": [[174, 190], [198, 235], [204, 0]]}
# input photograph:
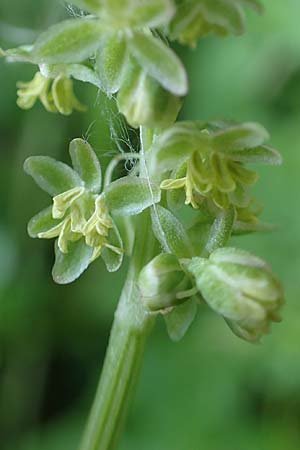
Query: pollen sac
{"points": [[163, 284], [56, 95], [240, 287], [80, 214], [208, 161]]}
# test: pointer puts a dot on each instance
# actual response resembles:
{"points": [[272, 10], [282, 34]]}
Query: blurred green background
{"points": [[212, 390]]}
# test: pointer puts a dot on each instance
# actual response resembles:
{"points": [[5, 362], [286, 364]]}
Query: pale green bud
{"points": [[143, 101], [240, 287], [163, 283]]}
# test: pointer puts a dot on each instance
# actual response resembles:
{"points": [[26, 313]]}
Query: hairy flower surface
{"points": [[242, 288], [197, 18], [79, 217], [209, 162]]}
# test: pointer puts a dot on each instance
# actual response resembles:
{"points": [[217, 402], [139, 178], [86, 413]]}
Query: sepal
{"points": [[241, 287], [131, 195], [144, 102], [163, 283], [111, 62], [50, 175], [86, 164], [170, 232], [179, 320], [69, 266], [160, 62], [70, 41]]}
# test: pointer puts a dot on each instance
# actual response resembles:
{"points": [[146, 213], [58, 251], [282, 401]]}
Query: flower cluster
{"points": [[235, 284], [121, 47], [208, 161]]}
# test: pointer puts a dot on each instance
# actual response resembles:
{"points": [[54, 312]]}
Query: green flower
{"points": [[56, 94], [81, 217], [197, 18], [130, 59], [240, 287], [163, 284], [208, 161]]}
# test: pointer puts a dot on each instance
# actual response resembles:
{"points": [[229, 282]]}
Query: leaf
{"points": [[112, 258], [262, 155], [177, 143], [69, 266], [160, 62], [42, 222], [170, 232], [131, 195], [239, 137], [86, 164], [179, 320], [50, 175], [111, 62], [70, 41]]}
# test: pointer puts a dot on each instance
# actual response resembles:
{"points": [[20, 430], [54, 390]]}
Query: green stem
{"points": [[119, 376], [131, 326]]}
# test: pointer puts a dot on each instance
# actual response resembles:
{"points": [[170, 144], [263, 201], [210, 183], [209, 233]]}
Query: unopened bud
{"points": [[143, 101], [240, 287], [163, 283]]}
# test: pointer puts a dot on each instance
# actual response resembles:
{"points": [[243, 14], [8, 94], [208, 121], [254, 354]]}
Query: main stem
{"points": [[132, 324]]}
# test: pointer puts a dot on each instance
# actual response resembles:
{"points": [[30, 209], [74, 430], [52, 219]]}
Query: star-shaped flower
{"points": [[207, 160], [81, 217]]}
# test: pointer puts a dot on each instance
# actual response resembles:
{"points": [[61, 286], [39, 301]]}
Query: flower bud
{"points": [[144, 102], [240, 287], [163, 283]]}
